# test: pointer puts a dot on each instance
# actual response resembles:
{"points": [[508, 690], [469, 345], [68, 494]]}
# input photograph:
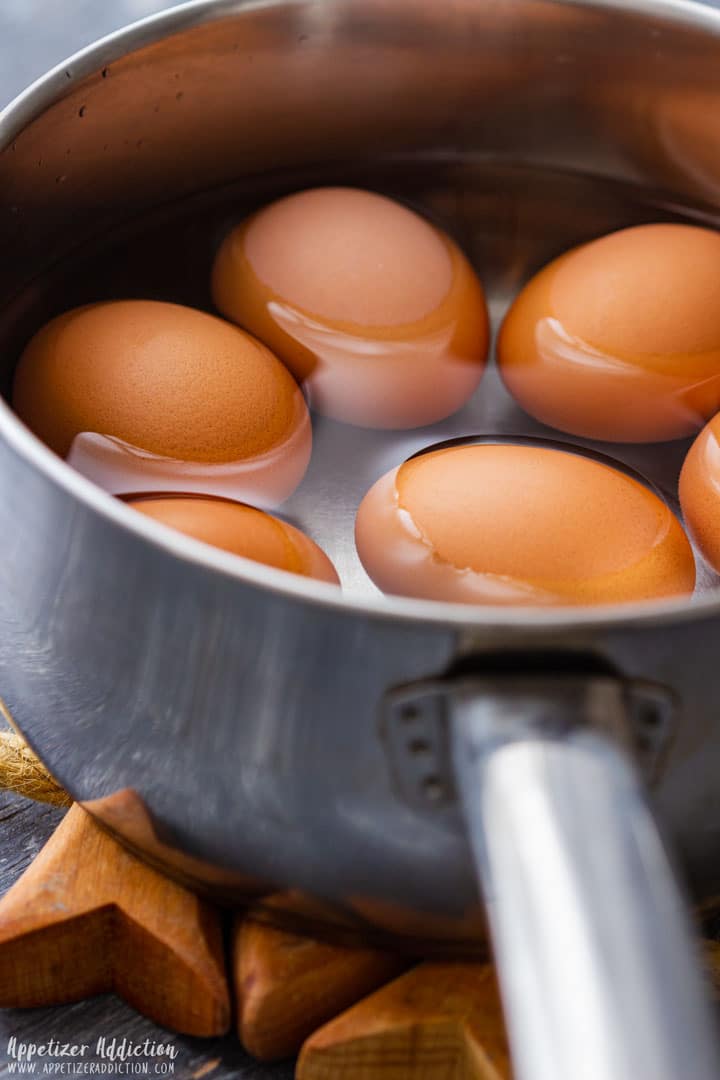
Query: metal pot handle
{"points": [[593, 944]]}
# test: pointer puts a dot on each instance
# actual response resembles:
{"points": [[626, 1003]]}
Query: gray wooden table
{"points": [[35, 35]]}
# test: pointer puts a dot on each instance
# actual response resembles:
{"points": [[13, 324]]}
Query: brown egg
{"points": [[620, 339], [700, 492], [376, 310], [517, 524], [143, 391], [241, 530]]}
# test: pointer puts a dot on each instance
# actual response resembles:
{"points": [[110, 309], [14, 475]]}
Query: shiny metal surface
{"points": [[226, 719], [590, 933], [223, 693], [35, 35]]}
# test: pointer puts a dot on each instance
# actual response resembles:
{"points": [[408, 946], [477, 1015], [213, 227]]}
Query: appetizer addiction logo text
{"points": [[107, 1056]]}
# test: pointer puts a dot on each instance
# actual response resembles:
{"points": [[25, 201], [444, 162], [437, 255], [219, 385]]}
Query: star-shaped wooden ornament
{"points": [[88, 917], [438, 1020]]}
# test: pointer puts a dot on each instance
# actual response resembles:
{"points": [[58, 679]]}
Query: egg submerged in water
{"points": [[145, 395], [523, 525], [700, 492], [620, 339], [241, 530], [377, 312]]}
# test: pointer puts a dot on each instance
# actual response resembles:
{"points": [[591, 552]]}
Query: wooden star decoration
{"points": [[88, 917], [438, 1020], [288, 983]]}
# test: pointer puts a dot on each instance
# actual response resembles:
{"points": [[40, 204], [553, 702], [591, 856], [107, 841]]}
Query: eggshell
{"points": [[171, 384], [377, 311], [241, 530], [620, 339], [700, 492], [516, 524]]}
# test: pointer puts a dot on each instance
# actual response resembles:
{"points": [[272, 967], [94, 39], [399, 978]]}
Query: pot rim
{"points": [[512, 621]]}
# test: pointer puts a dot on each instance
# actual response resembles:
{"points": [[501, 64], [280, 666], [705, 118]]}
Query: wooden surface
{"points": [[437, 1020], [24, 829], [89, 917], [288, 985]]}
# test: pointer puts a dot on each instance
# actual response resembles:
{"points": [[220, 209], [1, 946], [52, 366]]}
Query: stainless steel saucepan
{"points": [[248, 727]]}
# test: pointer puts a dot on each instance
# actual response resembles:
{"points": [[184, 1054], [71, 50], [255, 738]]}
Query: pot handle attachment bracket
{"points": [[417, 732], [590, 932]]}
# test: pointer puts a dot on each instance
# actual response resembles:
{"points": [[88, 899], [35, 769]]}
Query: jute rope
{"points": [[23, 772]]}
